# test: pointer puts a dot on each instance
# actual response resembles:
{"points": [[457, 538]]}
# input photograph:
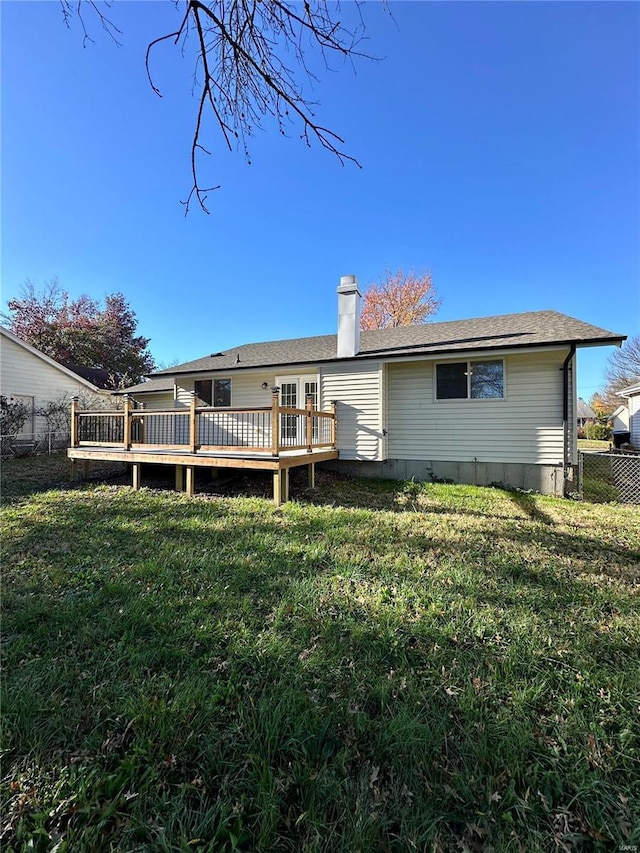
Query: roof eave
{"points": [[614, 340], [628, 392]]}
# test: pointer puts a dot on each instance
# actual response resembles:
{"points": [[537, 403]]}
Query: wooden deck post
{"points": [[193, 428], [275, 424], [334, 422], [191, 476], [309, 422], [311, 470], [141, 424], [73, 470], [277, 487], [137, 471], [74, 421], [179, 478], [127, 423]]}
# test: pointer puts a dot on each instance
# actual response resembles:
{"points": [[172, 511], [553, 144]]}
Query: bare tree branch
{"points": [[623, 366], [71, 8], [251, 64]]}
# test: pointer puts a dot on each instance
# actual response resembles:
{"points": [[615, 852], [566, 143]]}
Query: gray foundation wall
{"points": [[546, 479]]}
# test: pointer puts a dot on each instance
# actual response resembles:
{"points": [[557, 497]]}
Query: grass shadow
{"points": [[397, 672]]}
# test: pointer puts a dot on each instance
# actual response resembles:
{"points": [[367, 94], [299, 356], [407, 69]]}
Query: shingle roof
{"points": [[584, 410], [98, 376], [530, 329]]}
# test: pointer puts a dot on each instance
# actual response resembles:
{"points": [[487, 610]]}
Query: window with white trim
{"points": [[476, 379]]}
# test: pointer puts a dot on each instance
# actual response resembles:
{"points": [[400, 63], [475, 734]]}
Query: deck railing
{"points": [[207, 429]]}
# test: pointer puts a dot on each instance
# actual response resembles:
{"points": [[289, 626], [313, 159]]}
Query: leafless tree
{"points": [[623, 370], [252, 59], [623, 366]]}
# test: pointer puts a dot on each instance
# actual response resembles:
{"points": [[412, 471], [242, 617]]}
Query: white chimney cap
{"points": [[348, 283]]}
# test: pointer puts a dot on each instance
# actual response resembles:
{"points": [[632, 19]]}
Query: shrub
{"points": [[13, 416], [598, 432]]}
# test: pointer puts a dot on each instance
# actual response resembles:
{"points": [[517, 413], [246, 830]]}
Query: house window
{"points": [[28, 405], [221, 392], [204, 390], [213, 392], [470, 380]]}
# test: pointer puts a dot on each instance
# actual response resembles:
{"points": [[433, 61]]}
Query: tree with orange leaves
{"points": [[401, 299]]}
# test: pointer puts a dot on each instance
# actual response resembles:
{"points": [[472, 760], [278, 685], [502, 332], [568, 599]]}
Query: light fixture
{"points": [[265, 385]]}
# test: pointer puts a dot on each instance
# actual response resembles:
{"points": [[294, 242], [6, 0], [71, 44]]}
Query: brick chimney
{"points": [[348, 317]]}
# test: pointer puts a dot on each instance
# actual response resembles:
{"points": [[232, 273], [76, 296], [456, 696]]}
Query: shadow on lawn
{"points": [[262, 679], [530, 506]]}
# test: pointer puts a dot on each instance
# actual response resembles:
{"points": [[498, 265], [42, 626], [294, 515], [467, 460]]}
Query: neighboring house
{"points": [[31, 377], [585, 414], [477, 401], [620, 419], [632, 393]]}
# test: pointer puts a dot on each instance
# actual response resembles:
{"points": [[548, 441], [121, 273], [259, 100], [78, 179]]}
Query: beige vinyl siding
{"points": [[359, 410], [246, 388], [183, 392], [525, 427], [384, 411], [25, 374], [156, 400], [160, 429], [246, 392]]}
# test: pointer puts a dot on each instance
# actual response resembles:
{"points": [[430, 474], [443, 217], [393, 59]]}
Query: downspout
{"points": [[565, 407]]}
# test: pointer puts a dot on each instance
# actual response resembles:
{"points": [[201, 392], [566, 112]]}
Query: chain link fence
{"points": [[612, 476], [33, 444]]}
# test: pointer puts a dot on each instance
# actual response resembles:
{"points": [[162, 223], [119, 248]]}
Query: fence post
{"points": [[275, 421], [74, 421], [126, 414], [309, 421], [580, 482], [193, 432]]}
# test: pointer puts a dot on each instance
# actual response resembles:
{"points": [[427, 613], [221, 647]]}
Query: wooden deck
{"points": [[271, 438]]}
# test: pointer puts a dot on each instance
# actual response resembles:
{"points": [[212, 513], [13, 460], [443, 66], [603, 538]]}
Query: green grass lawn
{"points": [[377, 667], [593, 444]]}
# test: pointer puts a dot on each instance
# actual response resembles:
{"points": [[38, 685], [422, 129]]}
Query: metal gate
{"points": [[613, 476]]}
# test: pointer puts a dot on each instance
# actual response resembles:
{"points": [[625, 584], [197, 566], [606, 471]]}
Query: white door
{"points": [[294, 391]]}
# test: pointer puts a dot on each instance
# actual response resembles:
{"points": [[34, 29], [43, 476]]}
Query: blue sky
{"points": [[500, 149]]}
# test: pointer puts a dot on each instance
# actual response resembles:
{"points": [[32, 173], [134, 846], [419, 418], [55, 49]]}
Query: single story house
{"points": [[585, 413], [30, 377], [486, 400], [632, 394]]}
